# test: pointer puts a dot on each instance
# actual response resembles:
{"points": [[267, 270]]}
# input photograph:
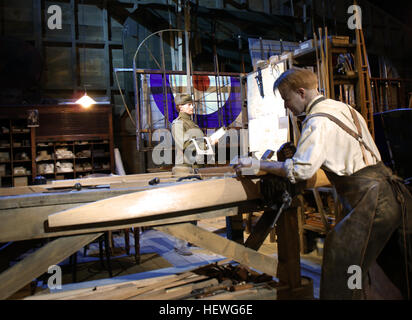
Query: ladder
{"points": [[365, 92]]}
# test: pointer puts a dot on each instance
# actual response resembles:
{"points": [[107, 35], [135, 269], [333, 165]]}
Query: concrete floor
{"points": [[158, 258]]}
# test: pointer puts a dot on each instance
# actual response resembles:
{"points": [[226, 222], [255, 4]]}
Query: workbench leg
{"points": [[73, 259], [107, 250], [288, 249], [101, 252], [136, 232], [234, 228], [248, 227], [301, 231], [127, 241]]}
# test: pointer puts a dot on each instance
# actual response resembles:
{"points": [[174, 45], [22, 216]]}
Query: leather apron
{"points": [[376, 207]]}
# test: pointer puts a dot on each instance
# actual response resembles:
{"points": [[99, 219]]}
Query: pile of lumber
{"points": [[214, 281]]}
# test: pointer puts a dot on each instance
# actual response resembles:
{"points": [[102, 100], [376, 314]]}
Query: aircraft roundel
{"points": [[212, 96]]}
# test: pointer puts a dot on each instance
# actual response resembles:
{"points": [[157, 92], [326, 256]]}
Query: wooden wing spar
{"points": [[180, 197]]}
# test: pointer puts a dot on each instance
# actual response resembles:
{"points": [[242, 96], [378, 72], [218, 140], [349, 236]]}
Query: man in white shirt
{"points": [[335, 138]]}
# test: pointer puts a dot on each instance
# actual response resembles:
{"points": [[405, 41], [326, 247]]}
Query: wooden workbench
{"points": [[24, 216]]}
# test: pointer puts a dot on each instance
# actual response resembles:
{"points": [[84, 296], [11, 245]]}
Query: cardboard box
{"points": [[20, 181], [2, 170]]}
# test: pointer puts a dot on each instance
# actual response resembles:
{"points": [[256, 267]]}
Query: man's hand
{"points": [[286, 151], [248, 166]]}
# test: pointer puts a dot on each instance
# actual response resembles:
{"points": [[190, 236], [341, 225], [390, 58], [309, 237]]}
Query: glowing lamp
{"points": [[85, 101]]}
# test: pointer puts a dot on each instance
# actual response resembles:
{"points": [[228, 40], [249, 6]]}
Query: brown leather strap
{"points": [[343, 126], [358, 127], [320, 99]]}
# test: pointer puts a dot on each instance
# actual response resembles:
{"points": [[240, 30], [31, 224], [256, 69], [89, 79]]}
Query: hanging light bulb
{"points": [[85, 101]]}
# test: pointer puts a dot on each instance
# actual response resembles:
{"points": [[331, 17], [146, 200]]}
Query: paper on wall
{"points": [[268, 121]]}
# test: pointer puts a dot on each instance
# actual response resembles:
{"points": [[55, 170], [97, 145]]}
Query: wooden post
{"points": [[136, 232], [261, 230], [234, 228], [288, 249]]}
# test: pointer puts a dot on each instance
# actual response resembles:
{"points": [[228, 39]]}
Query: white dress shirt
{"points": [[323, 144]]}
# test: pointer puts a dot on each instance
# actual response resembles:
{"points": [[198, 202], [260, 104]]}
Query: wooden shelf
{"points": [[63, 127]]}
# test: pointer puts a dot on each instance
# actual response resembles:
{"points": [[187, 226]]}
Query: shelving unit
{"points": [[308, 58], [82, 158], [16, 140], [70, 142], [347, 88]]}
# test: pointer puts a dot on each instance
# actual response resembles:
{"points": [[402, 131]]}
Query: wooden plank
{"points": [[176, 293], [108, 180], [160, 291], [222, 246], [17, 276], [261, 230], [26, 223], [97, 289], [20, 190], [125, 292], [256, 293], [127, 181], [143, 178], [161, 201]]}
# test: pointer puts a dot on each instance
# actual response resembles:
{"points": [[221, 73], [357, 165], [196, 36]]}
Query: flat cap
{"points": [[182, 99]]}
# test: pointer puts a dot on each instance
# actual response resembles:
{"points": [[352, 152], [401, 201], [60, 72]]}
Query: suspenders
{"points": [[356, 135]]}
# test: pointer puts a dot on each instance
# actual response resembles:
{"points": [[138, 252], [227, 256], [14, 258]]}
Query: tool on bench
{"points": [[77, 186], [154, 181], [193, 176]]}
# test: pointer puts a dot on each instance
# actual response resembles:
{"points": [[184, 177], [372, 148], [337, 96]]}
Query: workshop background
{"points": [[43, 66], [132, 57]]}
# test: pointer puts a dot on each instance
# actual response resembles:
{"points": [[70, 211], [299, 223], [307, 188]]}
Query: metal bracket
{"points": [[286, 202]]}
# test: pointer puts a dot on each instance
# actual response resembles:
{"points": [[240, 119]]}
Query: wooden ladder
{"points": [[365, 95]]}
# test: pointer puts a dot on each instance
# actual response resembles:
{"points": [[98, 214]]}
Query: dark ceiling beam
{"points": [[145, 15]]}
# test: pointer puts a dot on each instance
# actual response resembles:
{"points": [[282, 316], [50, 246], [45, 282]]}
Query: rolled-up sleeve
{"points": [[311, 151]]}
